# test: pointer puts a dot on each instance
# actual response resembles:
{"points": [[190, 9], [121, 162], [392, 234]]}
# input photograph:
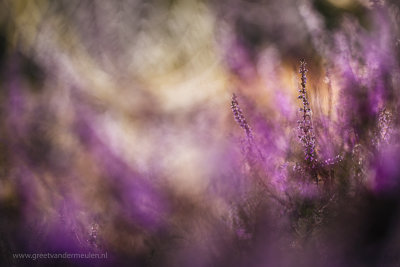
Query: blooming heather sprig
{"points": [[240, 119], [305, 127]]}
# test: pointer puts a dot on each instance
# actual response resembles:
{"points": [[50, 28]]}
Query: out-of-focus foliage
{"points": [[116, 133]]}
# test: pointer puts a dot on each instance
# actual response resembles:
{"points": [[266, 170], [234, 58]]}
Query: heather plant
{"points": [[306, 131], [116, 134], [240, 119], [334, 179]]}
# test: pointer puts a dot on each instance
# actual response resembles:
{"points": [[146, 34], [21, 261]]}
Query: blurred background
{"points": [[116, 132]]}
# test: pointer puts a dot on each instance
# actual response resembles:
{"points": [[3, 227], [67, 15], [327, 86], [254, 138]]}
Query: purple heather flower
{"points": [[305, 126], [240, 119]]}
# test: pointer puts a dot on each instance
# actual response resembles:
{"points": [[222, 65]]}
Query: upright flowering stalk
{"points": [[306, 131], [240, 119]]}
